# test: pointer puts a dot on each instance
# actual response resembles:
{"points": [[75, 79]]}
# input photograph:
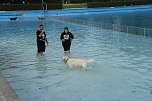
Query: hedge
{"points": [[117, 3], [86, 1], [15, 7]]}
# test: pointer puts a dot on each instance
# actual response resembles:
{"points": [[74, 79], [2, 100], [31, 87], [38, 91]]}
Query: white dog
{"points": [[75, 62]]}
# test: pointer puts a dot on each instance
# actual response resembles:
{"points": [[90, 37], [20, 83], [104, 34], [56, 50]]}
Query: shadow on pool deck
{"points": [[6, 91]]}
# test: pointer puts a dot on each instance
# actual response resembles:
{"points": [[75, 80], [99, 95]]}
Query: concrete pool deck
{"points": [[6, 91]]}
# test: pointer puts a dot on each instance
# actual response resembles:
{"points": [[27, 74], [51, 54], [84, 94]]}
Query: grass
{"points": [[74, 6]]}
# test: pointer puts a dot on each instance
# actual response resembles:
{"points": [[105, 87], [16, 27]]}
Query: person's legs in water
{"points": [[66, 48], [41, 49], [39, 53], [68, 51]]}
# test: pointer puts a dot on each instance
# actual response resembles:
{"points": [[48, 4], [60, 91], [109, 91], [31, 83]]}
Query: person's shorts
{"points": [[41, 47], [66, 46]]}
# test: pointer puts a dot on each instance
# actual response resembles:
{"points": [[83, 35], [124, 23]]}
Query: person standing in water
{"points": [[41, 40], [66, 38]]}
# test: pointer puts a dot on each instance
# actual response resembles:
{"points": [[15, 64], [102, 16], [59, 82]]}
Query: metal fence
{"points": [[108, 26]]}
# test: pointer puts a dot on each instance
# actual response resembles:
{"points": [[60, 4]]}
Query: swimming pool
{"points": [[137, 16], [122, 71]]}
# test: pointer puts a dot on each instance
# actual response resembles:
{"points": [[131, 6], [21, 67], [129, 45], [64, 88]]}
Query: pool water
{"points": [[122, 71], [137, 16]]}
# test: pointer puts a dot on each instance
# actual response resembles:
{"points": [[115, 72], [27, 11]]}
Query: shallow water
{"points": [[122, 71]]}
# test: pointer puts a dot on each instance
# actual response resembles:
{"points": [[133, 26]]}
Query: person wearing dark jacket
{"points": [[66, 38], [41, 39]]}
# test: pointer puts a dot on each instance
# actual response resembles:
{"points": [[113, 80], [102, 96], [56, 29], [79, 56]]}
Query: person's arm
{"points": [[71, 36], [46, 38], [40, 35], [61, 37]]}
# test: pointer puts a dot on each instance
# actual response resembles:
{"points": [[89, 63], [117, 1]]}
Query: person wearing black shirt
{"points": [[41, 39], [66, 38]]}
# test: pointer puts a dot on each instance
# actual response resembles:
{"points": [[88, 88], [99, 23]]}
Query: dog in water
{"points": [[75, 62]]}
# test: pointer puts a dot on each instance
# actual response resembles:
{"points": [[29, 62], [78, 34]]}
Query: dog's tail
{"points": [[91, 61]]}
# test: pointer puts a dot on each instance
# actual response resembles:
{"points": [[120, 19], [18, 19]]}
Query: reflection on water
{"points": [[123, 70], [41, 65]]}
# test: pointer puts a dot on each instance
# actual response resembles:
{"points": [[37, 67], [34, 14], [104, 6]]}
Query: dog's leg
{"points": [[70, 66], [84, 66]]}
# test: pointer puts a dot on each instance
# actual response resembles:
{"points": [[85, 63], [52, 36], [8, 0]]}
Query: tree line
{"points": [[57, 1]]}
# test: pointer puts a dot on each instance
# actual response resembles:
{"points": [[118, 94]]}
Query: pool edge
{"points": [[6, 91]]}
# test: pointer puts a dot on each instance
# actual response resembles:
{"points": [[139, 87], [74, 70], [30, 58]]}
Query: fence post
{"points": [[101, 24], [104, 25], [144, 32], [74, 21], [83, 23], [127, 29], [91, 24]]}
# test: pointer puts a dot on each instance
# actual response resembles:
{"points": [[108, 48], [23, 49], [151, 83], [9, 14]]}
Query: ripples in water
{"points": [[123, 64]]}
